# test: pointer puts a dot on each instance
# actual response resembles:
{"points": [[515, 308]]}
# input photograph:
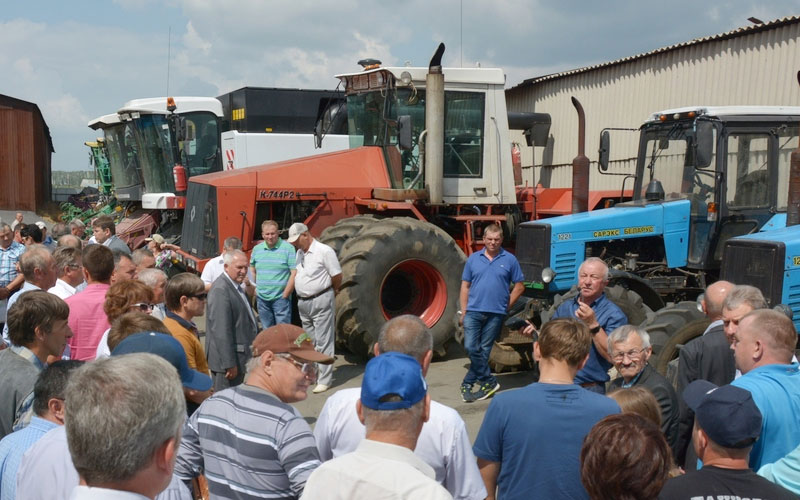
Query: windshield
{"points": [[667, 155], [155, 153], [200, 150], [372, 121], [120, 146]]}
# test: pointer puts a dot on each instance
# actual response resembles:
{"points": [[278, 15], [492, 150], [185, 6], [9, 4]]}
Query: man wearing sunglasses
{"points": [[226, 438], [185, 298], [629, 347]]}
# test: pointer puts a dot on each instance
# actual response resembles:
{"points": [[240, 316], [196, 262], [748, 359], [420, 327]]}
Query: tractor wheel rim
{"points": [[414, 287]]}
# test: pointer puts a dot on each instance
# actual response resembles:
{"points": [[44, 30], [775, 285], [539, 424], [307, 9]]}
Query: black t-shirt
{"points": [[714, 483]]}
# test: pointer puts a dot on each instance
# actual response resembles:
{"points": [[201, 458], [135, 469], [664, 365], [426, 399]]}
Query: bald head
{"points": [[69, 240], [713, 298], [406, 334]]}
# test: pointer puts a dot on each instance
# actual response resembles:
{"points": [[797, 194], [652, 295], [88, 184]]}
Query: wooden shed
{"points": [[25, 156]]}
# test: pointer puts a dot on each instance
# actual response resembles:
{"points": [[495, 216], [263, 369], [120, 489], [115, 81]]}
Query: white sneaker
{"points": [[320, 388]]}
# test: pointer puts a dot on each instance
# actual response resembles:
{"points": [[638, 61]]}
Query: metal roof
{"points": [[738, 32]]}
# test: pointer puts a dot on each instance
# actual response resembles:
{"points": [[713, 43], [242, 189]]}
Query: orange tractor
{"points": [[429, 166]]}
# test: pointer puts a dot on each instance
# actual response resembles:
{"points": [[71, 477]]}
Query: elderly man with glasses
{"points": [[248, 440], [629, 347]]}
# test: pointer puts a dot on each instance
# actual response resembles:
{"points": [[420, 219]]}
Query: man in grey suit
{"points": [[230, 324], [105, 233]]}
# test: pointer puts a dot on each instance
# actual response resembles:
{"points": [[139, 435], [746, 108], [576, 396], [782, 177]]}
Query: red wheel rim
{"points": [[414, 287]]}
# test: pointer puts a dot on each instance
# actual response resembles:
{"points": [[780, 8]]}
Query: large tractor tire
{"points": [[514, 352], [671, 350], [667, 322], [398, 266], [337, 235]]}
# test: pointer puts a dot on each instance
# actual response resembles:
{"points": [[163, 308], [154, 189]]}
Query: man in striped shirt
{"points": [[248, 440], [273, 265]]}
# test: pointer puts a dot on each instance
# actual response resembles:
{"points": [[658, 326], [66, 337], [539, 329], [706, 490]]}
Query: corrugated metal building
{"points": [[755, 65], [25, 156]]}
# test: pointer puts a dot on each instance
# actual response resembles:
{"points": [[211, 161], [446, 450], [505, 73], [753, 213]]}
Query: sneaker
{"points": [[466, 393], [486, 390]]}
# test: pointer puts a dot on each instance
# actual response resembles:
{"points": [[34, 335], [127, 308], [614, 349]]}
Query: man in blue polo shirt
{"points": [[273, 265], [601, 316], [485, 298], [763, 346]]}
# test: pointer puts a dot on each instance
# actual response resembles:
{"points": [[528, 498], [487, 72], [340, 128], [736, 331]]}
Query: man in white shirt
{"points": [[394, 405], [316, 283], [216, 266], [70, 272], [443, 443]]}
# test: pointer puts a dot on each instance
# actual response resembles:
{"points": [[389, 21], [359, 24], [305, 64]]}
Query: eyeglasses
{"points": [[308, 369], [200, 296], [143, 306], [632, 354]]}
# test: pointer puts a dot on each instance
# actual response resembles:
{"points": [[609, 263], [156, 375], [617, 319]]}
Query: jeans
{"points": [[480, 331], [272, 312]]}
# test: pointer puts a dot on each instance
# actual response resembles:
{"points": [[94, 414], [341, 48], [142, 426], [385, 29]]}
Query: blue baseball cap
{"points": [[392, 374], [726, 413], [168, 348]]}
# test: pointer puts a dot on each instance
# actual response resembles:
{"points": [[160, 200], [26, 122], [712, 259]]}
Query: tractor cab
{"points": [[386, 108], [730, 162], [120, 148]]}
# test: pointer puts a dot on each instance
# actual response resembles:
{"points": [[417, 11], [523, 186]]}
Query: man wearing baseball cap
{"points": [[316, 282], [247, 439], [727, 423], [394, 405]]}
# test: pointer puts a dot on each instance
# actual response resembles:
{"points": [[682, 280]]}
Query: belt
{"points": [[591, 384], [313, 296]]}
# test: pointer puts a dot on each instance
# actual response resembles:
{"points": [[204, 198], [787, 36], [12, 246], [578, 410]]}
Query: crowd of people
{"points": [[109, 391]]}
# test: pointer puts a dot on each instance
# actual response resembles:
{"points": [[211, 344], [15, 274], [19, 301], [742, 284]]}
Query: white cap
{"points": [[296, 230], [41, 225]]}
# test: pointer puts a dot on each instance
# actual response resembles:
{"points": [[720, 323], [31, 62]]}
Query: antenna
{"points": [[169, 57], [461, 34]]}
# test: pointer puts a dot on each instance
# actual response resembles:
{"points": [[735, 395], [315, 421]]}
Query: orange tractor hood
{"points": [[359, 169]]}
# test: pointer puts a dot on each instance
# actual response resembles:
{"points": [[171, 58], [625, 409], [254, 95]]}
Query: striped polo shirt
{"points": [[273, 267], [249, 444]]}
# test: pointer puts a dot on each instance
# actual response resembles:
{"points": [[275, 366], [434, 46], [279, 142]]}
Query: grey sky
{"points": [[81, 59]]}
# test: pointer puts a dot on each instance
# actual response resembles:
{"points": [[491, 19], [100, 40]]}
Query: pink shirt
{"points": [[87, 320]]}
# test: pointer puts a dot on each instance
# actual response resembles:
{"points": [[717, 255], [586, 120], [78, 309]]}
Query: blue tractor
{"points": [[705, 176]]}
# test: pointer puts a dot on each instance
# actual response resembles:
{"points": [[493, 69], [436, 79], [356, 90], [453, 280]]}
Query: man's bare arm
{"points": [[489, 472], [516, 292]]}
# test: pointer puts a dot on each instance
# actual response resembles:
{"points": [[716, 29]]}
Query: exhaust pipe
{"points": [[580, 166], [434, 126], [793, 203]]}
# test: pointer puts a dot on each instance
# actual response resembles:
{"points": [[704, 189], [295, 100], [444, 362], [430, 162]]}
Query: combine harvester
{"points": [[153, 146]]}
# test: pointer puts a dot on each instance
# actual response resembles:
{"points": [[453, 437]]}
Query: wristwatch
{"points": [[594, 330]]}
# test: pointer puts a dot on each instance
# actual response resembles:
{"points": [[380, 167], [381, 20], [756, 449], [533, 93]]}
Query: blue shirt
{"points": [[776, 392], [536, 434], [490, 280], [610, 317], [12, 447]]}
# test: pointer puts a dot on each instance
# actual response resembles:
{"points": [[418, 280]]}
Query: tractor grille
{"points": [[199, 237], [533, 250], [756, 263]]}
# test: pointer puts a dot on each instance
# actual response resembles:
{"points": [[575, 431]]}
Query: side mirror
{"points": [[404, 132], [605, 144], [178, 127], [704, 144], [318, 134]]}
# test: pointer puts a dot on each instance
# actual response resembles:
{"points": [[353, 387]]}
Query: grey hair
{"points": [[744, 294], [58, 230], [597, 260], [66, 256], [405, 421], [119, 410], [232, 243], [139, 254], [70, 240], [36, 256], [252, 365], [77, 223], [150, 276], [621, 334], [228, 256], [406, 334], [4, 226]]}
